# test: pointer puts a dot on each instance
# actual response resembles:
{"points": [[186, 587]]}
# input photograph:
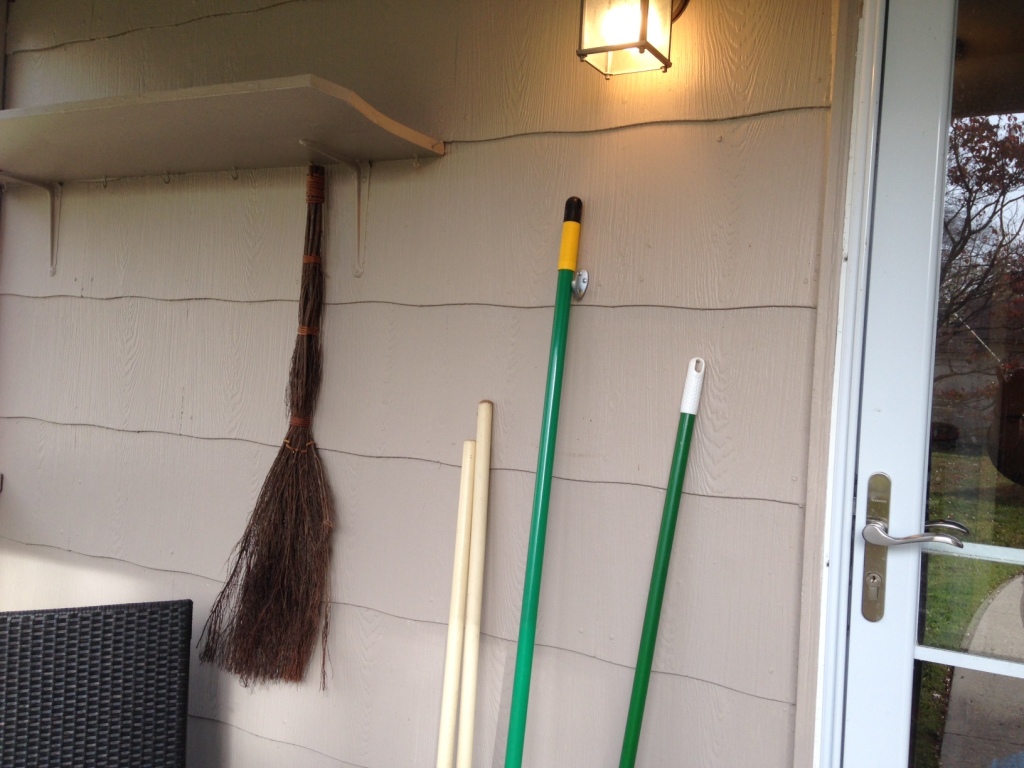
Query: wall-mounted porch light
{"points": [[622, 36]]}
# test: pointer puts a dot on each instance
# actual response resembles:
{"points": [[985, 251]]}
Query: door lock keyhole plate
{"points": [[872, 604]]}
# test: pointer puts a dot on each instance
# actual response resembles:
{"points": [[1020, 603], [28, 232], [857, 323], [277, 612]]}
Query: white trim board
{"points": [[846, 397]]}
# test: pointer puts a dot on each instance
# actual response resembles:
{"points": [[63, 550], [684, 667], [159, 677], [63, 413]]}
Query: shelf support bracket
{"points": [[362, 171], [55, 192]]}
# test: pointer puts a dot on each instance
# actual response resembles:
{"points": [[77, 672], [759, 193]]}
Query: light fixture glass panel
{"points": [[611, 35], [624, 62], [659, 25]]}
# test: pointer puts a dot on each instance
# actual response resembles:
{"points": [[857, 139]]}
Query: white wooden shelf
{"points": [[281, 122]]}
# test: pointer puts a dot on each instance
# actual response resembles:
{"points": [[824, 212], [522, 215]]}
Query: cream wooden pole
{"points": [[457, 612], [474, 599]]}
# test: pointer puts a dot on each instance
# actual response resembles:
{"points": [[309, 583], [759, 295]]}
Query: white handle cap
{"points": [[692, 387]]}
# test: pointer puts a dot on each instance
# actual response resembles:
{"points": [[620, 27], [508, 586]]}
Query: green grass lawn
{"points": [[966, 488]]}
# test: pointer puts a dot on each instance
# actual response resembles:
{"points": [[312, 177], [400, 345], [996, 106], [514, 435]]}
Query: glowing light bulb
{"points": [[621, 24]]}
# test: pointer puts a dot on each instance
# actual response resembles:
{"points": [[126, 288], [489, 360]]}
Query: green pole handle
{"points": [[542, 489], [656, 595]]}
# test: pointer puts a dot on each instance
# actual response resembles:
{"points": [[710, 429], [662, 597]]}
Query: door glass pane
{"points": [[973, 606], [964, 482], [979, 723], [976, 465]]}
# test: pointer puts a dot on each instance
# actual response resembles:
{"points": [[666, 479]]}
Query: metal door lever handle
{"points": [[877, 532], [949, 525]]}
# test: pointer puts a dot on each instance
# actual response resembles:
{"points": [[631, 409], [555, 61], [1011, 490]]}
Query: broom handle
{"points": [[542, 490], [642, 677], [457, 612], [474, 599]]}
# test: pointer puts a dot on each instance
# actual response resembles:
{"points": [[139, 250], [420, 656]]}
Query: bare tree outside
{"points": [[980, 338]]}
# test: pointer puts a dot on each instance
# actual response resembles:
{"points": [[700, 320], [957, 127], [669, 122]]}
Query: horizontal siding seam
{"points": [[427, 622], [125, 33], [374, 457], [780, 111], [655, 671], [580, 306], [140, 297], [407, 305], [109, 558], [341, 763]]}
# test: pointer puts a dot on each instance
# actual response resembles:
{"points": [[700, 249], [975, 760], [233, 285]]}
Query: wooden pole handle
{"points": [[474, 598], [457, 612]]}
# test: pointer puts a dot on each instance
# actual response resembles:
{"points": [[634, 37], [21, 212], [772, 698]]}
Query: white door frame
{"points": [[840, 521], [839, 516], [896, 375]]}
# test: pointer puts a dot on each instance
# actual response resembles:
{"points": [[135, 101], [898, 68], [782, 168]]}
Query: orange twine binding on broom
{"points": [[314, 188]]}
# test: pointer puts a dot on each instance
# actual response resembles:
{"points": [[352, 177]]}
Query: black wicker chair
{"points": [[99, 686]]}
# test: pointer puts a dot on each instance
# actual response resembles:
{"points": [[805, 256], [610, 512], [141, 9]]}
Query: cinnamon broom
{"points": [[275, 604]]}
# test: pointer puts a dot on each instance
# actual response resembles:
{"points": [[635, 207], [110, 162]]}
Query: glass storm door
{"points": [[935, 666]]}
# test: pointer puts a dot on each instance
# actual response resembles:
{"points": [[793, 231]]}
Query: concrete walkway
{"points": [[985, 722]]}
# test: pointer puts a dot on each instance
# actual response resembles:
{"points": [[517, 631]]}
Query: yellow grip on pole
{"points": [[570, 245], [570, 248]]}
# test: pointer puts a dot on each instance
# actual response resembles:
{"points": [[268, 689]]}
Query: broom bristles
{"points": [[264, 625], [275, 604]]}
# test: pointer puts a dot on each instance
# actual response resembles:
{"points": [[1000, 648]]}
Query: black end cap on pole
{"points": [[573, 210]]}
